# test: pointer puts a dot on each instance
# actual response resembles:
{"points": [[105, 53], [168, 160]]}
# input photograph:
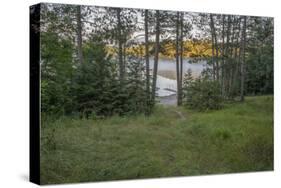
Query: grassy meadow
{"points": [[173, 141]]}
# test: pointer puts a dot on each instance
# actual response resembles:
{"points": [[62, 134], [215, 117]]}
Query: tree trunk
{"points": [[155, 67], [232, 57], [227, 57], [124, 40], [213, 30], [177, 58], [147, 58], [79, 34], [181, 58], [120, 43], [222, 55], [242, 89], [213, 55], [235, 57]]}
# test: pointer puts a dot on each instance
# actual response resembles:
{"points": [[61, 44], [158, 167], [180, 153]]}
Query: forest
{"points": [[137, 93]]}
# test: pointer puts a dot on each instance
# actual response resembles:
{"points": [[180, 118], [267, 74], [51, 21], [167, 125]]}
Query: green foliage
{"points": [[201, 94], [136, 90], [93, 80], [98, 90], [91, 89], [56, 73], [260, 58]]}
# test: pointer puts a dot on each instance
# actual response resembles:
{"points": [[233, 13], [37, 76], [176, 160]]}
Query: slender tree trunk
{"points": [[227, 57], [242, 90], [228, 31], [213, 50], [155, 67], [79, 34], [232, 57], [236, 57], [124, 55], [222, 55], [147, 58], [213, 30], [120, 44], [181, 57], [213, 55], [177, 59]]}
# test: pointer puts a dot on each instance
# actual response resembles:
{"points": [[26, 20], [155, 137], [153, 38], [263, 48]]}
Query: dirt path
{"points": [[171, 101], [179, 113]]}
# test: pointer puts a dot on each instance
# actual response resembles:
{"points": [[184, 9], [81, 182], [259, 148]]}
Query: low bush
{"points": [[202, 94]]}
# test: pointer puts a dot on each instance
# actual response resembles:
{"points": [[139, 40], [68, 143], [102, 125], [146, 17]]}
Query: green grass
{"points": [[238, 138]]}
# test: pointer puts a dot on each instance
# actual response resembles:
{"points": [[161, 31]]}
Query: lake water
{"points": [[166, 79], [170, 65]]}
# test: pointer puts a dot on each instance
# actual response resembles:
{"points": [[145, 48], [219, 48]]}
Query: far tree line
{"points": [[87, 69]]}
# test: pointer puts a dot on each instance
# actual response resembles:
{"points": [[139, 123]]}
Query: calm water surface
{"points": [[166, 83]]}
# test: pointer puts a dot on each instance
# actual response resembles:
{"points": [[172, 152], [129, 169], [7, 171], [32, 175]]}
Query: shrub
{"points": [[201, 94]]}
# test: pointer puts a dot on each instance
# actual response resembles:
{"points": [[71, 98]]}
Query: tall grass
{"points": [[238, 138]]}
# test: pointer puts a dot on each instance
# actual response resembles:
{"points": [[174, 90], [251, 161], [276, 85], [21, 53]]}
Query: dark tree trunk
{"points": [[227, 56], [232, 57], [222, 56], [236, 57], [79, 34], [177, 59], [120, 44], [215, 45], [155, 67], [181, 58], [147, 58], [213, 55], [242, 89], [124, 55]]}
